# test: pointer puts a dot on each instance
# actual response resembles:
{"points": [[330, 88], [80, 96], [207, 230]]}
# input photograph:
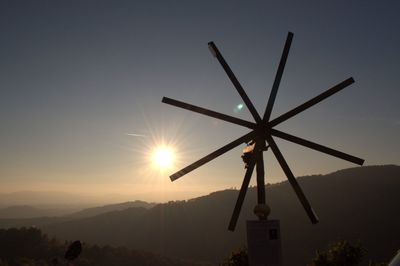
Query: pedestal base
{"points": [[264, 243]]}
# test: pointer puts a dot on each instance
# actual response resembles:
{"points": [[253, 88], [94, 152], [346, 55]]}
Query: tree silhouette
{"points": [[29, 247]]}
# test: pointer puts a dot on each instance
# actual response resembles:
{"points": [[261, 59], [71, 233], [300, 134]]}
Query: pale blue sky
{"points": [[76, 76]]}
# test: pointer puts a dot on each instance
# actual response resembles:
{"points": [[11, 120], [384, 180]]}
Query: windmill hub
{"points": [[262, 211], [263, 128]]}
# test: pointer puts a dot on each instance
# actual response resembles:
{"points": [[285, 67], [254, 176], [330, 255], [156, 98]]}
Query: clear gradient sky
{"points": [[76, 77]]}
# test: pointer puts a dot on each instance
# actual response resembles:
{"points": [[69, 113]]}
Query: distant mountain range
{"points": [[89, 212], [15, 205], [356, 204], [19, 216]]}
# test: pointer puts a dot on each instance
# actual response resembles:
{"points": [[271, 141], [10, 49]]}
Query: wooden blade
{"points": [[212, 155], [317, 147], [260, 178], [278, 77], [204, 111], [213, 48], [292, 180], [311, 102], [242, 194]]}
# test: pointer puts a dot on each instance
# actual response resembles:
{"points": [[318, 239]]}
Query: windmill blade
{"points": [[317, 147], [311, 102], [278, 77], [242, 194], [214, 50], [212, 155], [260, 178], [292, 180], [204, 111]]}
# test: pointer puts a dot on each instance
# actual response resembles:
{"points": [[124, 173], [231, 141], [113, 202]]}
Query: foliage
{"points": [[29, 247], [340, 253], [237, 258]]}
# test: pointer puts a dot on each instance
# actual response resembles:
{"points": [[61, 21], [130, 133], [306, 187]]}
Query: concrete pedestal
{"points": [[264, 243]]}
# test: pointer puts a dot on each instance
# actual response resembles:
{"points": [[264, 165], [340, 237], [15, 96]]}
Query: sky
{"points": [[79, 79]]}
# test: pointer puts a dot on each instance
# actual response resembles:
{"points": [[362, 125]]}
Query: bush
{"points": [[237, 258], [340, 253]]}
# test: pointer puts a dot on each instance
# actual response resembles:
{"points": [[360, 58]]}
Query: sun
{"points": [[163, 157]]}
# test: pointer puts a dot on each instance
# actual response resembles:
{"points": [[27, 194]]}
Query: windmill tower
{"points": [[260, 139]]}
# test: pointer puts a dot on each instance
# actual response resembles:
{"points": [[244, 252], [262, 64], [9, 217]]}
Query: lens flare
{"points": [[238, 108]]}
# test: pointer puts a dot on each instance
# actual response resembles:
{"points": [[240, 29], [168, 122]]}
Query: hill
{"points": [[27, 216], [111, 207], [353, 204]]}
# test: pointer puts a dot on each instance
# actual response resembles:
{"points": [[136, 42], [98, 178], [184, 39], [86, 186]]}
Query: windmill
{"points": [[261, 134]]}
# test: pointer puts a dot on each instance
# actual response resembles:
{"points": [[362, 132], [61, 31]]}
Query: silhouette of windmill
{"points": [[262, 132]]}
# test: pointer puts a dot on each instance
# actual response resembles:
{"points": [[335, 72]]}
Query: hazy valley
{"points": [[356, 204]]}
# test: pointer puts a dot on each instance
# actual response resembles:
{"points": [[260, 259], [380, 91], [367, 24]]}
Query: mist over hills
{"points": [[356, 204], [26, 216], [45, 198], [25, 211], [49, 199], [37, 204], [110, 208]]}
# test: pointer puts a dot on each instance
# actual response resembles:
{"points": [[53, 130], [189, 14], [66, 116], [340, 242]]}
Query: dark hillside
{"points": [[28, 246], [353, 204]]}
